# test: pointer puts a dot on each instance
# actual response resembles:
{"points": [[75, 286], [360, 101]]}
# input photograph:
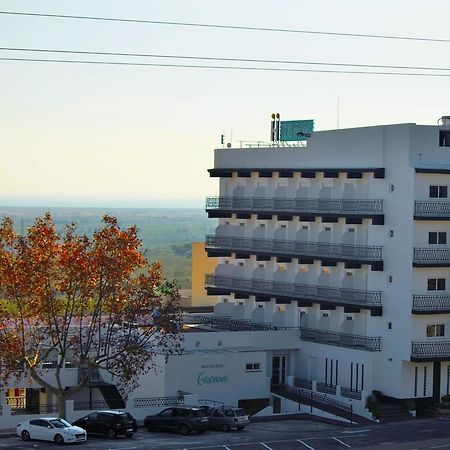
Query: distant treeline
{"points": [[167, 234]]}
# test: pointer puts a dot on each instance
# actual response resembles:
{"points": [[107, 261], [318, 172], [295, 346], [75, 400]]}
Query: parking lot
{"points": [[276, 435]]}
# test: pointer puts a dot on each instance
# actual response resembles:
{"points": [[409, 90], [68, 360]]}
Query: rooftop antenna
{"points": [[338, 112]]}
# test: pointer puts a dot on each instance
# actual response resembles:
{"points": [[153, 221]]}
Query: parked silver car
{"points": [[227, 418]]}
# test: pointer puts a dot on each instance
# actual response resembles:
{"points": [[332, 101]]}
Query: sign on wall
{"points": [[296, 130]]}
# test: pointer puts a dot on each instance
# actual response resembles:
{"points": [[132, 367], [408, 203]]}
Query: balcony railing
{"points": [[372, 344], [439, 256], [296, 291], [226, 323], [430, 351], [432, 209], [431, 304], [295, 248], [296, 205]]}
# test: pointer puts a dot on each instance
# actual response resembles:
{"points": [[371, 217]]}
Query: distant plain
{"points": [[166, 234]]}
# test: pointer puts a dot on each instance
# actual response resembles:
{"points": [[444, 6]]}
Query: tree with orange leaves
{"points": [[83, 301]]}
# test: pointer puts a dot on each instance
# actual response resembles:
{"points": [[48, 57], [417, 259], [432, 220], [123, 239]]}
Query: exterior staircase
{"points": [[320, 401], [387, 412]]}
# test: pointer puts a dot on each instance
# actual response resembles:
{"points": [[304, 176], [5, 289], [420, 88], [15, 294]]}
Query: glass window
{"points": [[436, 284], [166, 412], [436, 330], [438, 191]]}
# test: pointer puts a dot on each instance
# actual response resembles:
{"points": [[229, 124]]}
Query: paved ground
{"points": [[424, 434]]}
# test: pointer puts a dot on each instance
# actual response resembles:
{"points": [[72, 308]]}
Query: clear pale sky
{"points": [[137, 136]]}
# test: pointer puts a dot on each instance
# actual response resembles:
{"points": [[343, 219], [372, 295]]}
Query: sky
{"points": [[85, 135]]}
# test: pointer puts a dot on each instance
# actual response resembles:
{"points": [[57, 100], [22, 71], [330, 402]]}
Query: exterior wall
{"points": [[201, 265], [399, 149]]}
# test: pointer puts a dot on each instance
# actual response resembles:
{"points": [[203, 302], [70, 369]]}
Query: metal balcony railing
{"points": [[226, 323], [372, 344], [433, 256], [296, 205], [296, 248], [432, 209], [431, 303], [315, 293], [429, 351]]}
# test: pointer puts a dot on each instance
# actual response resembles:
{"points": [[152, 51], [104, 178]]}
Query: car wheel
{"points": [[59, 440], [184, 429], [151, 427], [240, 428], [110, 433], [128, 435], [226, 427], [25, 435]]}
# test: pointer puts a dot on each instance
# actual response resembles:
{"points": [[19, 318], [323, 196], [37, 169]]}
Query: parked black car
{"points": [[109, 423], [180, 419]]}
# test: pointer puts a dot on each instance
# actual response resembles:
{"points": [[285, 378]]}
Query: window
{"points": [[437, 330], [390, 278], [197, 343], [261, 266], [242, 224], [436, 284], [327, 228], [325, 315], [219, 343], [326, 271], [438, 191], [391, 188], [305, 227], [348, 318], [444, 138], [262, 225], [391, 233], [389, 325], [437, 237], [227, 223], [348, 274], [241, 264], [351, 230], [282, 226], [253, 367]]}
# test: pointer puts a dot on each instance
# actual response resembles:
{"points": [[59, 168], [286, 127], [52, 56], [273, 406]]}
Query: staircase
{"points": [[320, 401], [109, 391], [387, 412], [112, 396]]}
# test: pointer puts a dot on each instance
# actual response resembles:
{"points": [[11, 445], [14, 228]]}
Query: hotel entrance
{"points": [[278, 369]]}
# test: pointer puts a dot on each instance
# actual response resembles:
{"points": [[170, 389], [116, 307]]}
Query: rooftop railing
{"points": [[315, 293], [372, 344], [298, 248], [296, 205], [429, 304], [429, 351], [432, 256], [432, 209], [226, 323]]}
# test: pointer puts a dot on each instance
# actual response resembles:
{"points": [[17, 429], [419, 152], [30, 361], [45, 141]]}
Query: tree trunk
{"points": [[62, 404]]}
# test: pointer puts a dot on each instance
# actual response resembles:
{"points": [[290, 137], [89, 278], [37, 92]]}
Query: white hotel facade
{"points": [[344, 242]]}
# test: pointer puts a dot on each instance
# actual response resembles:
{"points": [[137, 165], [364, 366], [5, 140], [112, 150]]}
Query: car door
{"points": [[165, 418], [217, 418], [46, 431], [35, 429], [90, 425]]}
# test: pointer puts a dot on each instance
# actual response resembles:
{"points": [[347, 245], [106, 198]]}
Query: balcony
{"points": [[431, 304], [216, 323], [432, 210], [288, 207], [431, 257], [430, 351], [222, 245], [371, 344], [303, 293]]}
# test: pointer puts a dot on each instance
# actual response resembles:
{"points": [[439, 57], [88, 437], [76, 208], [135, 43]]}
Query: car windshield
{"points": [[239, 412], [60, 423]]}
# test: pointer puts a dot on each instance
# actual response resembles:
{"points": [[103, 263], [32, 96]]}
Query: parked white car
{"points": [[50, 429]]}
